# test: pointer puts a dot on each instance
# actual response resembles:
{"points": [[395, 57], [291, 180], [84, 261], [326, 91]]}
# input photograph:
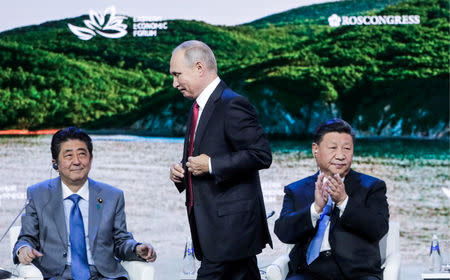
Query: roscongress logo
{"points": [[96, 24], [336, 21], [110, 25]]}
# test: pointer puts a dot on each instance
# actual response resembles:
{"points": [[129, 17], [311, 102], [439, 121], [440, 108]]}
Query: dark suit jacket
{"points": [[230, 218], [354, 237], [44, 228]]}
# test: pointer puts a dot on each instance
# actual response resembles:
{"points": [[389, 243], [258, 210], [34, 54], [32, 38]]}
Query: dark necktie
{"points": [[315, 244], [190, 152], [80, 266]]}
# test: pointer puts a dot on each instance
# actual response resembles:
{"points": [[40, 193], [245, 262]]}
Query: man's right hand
{"points": [[176, 173], [320, 194], [27, 254]]}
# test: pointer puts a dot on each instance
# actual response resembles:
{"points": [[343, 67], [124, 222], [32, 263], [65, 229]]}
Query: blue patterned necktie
{"points": [[80, 266], [315, 244]]}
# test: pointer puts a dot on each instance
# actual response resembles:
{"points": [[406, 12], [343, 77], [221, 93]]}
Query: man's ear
{"points": [[200, 67], [314, 149]]}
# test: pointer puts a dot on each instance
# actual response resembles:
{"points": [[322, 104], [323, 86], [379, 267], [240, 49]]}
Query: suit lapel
{"points": [[309, 192], [351, 180], [206, 114], [56, 209], [95, 211]]}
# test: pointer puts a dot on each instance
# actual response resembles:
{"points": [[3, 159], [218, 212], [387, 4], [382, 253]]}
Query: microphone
{"points": [[15, 219], [4, 274]]}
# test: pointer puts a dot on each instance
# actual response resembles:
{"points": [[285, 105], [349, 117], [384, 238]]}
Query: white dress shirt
{"points": [[84, 208], [201, 101], [315, 217]]}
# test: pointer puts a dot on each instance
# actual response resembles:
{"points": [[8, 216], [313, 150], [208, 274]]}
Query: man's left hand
{"points": [[198, 165], [146, 252], [336, 189]]}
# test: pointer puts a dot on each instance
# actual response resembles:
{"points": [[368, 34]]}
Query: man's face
{"points": [[186, 79], [334, 153], [74, 162]]}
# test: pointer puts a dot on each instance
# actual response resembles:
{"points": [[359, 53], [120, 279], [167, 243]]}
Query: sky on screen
{"points": [[20, 13]]}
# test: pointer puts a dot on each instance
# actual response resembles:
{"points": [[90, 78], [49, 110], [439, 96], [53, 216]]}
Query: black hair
{"points": [[70, 133], [333, 125]]}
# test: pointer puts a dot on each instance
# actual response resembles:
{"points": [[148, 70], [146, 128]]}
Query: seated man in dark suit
{"points": [[74, 227], [335, 217]]}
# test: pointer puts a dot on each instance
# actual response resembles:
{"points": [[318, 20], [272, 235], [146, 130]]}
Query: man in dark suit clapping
{"points": [[335, 217], [224, 148]]}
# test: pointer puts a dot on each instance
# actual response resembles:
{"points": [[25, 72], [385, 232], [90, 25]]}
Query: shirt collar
{"points": [[83, 191], [206, 93]]}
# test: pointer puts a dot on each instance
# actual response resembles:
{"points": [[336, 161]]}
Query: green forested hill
{"points": [[319, 13], [379, 78], [51, 78]]}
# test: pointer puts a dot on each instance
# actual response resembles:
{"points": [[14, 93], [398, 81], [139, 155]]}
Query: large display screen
{"points": [[381, 65]]}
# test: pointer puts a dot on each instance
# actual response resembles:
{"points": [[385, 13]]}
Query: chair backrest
{"points": [[390, 242]]}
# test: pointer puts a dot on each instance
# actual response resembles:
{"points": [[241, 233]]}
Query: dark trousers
{"points": [[95, 275], [245, 269], [324, 268]]}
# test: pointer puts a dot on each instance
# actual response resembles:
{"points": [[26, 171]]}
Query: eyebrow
{"points": [[336, 143], [79, 149]]}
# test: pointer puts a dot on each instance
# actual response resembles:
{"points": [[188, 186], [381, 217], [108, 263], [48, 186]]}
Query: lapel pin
{"points": [[100, 200]]}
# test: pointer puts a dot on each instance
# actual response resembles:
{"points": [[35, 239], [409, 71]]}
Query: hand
{"points": [[198, 165], [320, 194], [27, 254], [146, 252], [336, 189], [176, 173]]}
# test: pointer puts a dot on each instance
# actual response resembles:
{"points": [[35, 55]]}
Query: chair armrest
{"points": [[139, 270], [279, 269], [392, 269], [29, 272]]}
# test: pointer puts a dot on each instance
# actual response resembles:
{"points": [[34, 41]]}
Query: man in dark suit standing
{"points": [[336, 217], [75, 227], [224, 148]]}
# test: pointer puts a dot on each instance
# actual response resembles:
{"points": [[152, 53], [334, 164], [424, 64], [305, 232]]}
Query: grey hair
{"points": [[195, 51]]}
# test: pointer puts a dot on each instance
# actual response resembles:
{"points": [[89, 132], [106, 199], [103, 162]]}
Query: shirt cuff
{"points": [[314, 215], [209, 166], [342, 206], [135, 246]]}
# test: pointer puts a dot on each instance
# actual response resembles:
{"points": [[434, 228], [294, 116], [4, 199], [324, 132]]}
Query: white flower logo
{"points": [[334, 20], [114, 28]]}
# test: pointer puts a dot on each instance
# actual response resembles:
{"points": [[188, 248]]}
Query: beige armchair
{"points": [[136, 270], [389, 250]]}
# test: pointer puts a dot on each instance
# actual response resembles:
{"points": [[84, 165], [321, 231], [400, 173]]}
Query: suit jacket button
{"points": [[65, 254]]}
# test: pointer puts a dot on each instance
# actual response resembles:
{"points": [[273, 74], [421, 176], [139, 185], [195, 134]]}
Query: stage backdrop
{"points": [[382, 65]]}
